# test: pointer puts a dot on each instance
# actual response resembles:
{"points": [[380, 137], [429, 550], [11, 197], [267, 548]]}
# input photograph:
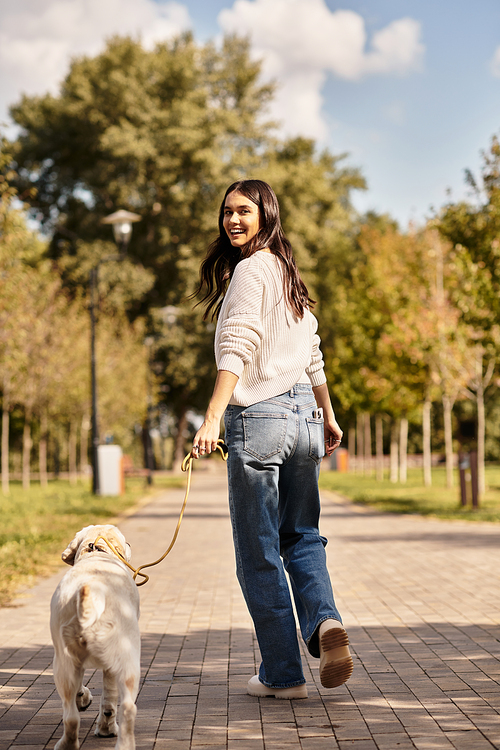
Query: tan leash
{"points": [[187, 465]]}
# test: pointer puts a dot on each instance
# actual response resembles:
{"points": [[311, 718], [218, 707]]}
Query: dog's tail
{"points": [[91, 604]]}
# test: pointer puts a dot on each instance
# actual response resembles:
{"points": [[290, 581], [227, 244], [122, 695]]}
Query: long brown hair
{"points": [[222, 258]]}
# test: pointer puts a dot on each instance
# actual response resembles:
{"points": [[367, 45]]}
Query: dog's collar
{"points": [[93, 547]]}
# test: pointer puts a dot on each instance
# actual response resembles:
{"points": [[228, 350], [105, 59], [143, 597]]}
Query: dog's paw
{"points": [[110, 730], [83, 698], [106, 721]]}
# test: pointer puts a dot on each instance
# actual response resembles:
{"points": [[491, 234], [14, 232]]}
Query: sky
{"points": [[408, 89]]}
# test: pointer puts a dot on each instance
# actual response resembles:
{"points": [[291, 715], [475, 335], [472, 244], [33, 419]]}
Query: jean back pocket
{"points": [[264, 434], [316, 438]]}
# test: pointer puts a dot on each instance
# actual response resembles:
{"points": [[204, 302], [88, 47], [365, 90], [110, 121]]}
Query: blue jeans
{"points": [[275, 451]]}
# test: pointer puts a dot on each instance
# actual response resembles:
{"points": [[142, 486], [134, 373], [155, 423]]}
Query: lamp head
{"points": [[121, 222]]}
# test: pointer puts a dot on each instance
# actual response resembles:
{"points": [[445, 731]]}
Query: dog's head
{"points": [[87, 542]]}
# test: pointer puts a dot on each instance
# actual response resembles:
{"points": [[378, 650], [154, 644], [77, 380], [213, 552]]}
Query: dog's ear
{"points": [[69, 553]]}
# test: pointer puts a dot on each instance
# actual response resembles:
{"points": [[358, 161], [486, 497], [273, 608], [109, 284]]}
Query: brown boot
{"points": [[335, 666]]}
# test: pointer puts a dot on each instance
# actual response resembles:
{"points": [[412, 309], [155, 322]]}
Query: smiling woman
{"points": [[241, 219], [279, 423]]}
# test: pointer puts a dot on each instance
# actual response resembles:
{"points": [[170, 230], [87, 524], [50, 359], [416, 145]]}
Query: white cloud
{"points": [[302, 41], [495, 63], [38, 37]]}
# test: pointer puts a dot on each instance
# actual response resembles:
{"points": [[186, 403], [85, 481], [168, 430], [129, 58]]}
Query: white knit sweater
{"points": [[260, 340]]}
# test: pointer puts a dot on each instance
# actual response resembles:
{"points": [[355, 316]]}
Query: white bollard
{"points": [[110, 459]]}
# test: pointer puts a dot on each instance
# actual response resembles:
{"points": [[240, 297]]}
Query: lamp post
{"points": [[121, 222]]}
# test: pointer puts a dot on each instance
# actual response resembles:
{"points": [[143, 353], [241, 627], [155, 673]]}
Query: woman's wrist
{"points": [[212, 416]]}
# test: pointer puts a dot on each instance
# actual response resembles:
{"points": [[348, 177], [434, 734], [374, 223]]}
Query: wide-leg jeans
{"points": [[275, 451]]}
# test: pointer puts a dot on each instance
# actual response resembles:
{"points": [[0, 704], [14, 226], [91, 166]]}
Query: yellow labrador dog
{"points": [[94, 623]]}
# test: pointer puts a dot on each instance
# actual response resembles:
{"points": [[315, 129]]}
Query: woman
{"points": [[271, 389]]}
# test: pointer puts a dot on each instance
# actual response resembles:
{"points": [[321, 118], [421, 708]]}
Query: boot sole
{"points": [[336, 664]]}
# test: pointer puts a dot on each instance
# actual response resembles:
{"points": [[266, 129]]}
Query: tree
{"points": [[473, 229], [372, 366], [400, 336], [19, 247]]}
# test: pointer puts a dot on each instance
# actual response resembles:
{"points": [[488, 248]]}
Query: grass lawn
{"points": [[36, 525], [413, 497]]}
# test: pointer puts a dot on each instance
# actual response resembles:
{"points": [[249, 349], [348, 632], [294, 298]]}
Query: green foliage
{"points": [[122, 283], [372, 367], [44, 341], [44, 344], [122, 377], [473, 228]]}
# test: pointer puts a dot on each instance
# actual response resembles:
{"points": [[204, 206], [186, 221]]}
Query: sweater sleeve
{"points": [[242, 330], [316, 368]]}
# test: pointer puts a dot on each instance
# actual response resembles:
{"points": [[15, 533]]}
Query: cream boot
{"points": [[259, 690]]}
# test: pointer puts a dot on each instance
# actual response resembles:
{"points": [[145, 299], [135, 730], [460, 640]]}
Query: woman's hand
{"points": [[333, 436], [333, 433], [205, 440]]}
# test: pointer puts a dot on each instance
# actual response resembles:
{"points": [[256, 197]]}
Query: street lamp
{"points": [[121, 222]]}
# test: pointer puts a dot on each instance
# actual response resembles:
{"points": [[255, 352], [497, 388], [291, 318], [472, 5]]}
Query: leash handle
{"points": [[221, 447]]}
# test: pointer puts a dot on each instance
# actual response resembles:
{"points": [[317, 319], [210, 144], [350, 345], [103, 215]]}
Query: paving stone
{"points": [[357, 745], [319, 743], [394, 741]]}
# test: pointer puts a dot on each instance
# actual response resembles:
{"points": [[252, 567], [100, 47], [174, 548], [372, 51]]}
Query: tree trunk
{"points": [[368, 443], [26, 449], [360, 452], [72, 448], [5, 439], [351, 446], [481, 435], [42, 448], [379, 446], [57, 453], [180, 441], [403, 450], [84, 447], [394, 472], [448, 439], [482, 381], [426, 439]]}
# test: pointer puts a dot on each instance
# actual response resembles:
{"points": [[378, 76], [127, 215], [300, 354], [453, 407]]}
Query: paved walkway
{"points": [[420, 599]]}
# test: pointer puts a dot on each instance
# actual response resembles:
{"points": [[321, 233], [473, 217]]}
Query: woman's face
{"points": [[241, 219]]}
